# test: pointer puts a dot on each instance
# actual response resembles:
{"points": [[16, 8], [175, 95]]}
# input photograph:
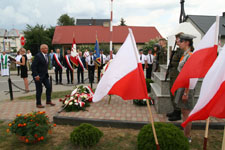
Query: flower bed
{"points": [[31, 127], [79, 99]]}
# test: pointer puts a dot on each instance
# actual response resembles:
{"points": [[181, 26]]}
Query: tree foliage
{"points": [[65, 20], [122, 22], [37, 35]]}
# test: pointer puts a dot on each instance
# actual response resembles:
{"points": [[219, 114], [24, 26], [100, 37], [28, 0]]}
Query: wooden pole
{"points": [[206, 135], [153, 126], [223, 145]]}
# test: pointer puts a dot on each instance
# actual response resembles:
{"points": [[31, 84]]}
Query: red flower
{"points": [[54, 125], [42, 138], [60, 99], [37, 124], [35, 135], [27, 140], [24, 124]]}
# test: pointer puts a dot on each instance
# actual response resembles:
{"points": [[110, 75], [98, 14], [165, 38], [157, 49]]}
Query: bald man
{"points": [[40, 74]]}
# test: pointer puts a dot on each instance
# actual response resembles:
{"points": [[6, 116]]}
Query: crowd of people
{"points": [[42, 62]]}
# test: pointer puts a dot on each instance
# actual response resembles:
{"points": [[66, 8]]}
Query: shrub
{"points": [[30, 128], [86, 135], [169, 137]]}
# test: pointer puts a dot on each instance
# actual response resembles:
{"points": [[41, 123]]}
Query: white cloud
{"points": [[164, 14]]}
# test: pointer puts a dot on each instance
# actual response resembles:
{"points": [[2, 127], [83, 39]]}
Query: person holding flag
{"points": [[103, 60], [69, 67], [57, 63], [185, 96]]}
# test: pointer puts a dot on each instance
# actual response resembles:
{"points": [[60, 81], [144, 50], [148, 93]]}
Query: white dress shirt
{"points": [[142, 58], [88, 60], [149, 58], [104, 58]]}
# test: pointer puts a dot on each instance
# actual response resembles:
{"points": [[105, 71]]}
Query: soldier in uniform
{"points": [[163, 51], [184, 96], [173, 73], [156, 48]]}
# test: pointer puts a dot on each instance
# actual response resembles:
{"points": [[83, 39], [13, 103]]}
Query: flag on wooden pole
{"points": [[211, 101], [200, 61], [124, 76]]}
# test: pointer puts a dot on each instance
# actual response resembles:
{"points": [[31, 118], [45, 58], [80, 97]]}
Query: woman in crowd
{"points": [[18, 57], [23, 64], [184, 96]]}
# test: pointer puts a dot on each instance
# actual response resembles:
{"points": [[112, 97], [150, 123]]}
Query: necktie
{"points": [[101, 59], [46, 58], [150, 59], [91, 60], [141, 57]]}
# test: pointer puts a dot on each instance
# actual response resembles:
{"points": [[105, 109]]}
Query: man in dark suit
{"points": [[90, 67], [80, 69], [57, 63], [40, 74], [69, 68]]}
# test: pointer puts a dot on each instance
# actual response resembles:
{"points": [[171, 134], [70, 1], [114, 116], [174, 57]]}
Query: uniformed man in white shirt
{"points": [[90, 64], [29, 58], [103, 61], [142, 58], [149, 62], [108, 57]]}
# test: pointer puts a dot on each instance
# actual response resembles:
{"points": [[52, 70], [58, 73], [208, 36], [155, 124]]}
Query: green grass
{"points": [[55, 95], [113, 139]]}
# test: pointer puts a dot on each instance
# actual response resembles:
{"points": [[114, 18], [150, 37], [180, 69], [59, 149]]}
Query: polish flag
{"points": [[200, 61], [211, 101], [124, 76], [75, 59]]}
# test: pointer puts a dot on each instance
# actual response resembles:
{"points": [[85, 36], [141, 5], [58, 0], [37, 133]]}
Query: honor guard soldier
{"points": [[173, 73], [163, 51], [149, 59], [57, 63], [69, 68], [90, 66], [103, 61]]}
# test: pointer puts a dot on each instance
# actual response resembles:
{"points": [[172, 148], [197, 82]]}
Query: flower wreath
{"points": [[79, 99]]}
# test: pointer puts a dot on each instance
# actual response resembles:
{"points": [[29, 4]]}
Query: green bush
{"points": [[86, 135], [169, 137], [148, 81]]}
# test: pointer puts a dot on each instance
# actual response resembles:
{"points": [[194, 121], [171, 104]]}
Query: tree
{"points": [[37, 35], [122, 22], [149, 45], [65, 20]]}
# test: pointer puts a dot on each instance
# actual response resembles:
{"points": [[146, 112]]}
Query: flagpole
{"points": [[223, 144], [149, 108], [111, 30], [206, 135]]}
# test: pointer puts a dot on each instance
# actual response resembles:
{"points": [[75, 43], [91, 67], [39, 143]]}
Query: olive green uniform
{"points": [[189, 104], [173, 72], [162, 56]]}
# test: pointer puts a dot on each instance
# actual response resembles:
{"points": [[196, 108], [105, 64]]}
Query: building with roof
{"points": [[10, 40], [86, 35], [93, 22]]}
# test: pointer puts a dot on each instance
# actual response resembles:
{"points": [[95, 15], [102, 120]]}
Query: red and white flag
{"points": [[124, 76], [211, 100], [75, 59], [200, 61]]}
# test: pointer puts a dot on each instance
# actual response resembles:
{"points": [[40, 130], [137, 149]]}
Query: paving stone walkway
{"points": [[118, 109]]}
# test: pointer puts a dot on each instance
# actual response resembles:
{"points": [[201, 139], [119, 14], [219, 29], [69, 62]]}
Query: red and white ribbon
{"points": [[57, 61], [68, 62]]}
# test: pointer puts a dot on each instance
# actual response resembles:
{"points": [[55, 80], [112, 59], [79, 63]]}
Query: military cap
{"points": [[140, 50], [186, 37], [91, 51], [101, 50]]}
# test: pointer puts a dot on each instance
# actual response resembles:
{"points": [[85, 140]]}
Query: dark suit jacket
{"points": [[39, 66], [55, 63], [84, 63], [65, 63]]}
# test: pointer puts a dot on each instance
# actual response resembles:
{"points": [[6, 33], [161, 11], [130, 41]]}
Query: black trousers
{"points": [[149, 71], [99, 71], [18, 70], [58, 73], [69, 75], [91, 73], [143, 66], [80, 72], [38, 85]]}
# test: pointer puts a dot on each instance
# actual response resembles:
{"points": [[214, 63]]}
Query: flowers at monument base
{"points": [[79, 99], [30, 128]]}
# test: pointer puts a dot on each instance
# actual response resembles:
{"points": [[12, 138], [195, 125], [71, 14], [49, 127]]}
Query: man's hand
{"points": [[37, 78], [53, 68], [185, 97]]}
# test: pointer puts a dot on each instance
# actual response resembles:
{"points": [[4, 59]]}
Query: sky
{"points": [[163, 14]]}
